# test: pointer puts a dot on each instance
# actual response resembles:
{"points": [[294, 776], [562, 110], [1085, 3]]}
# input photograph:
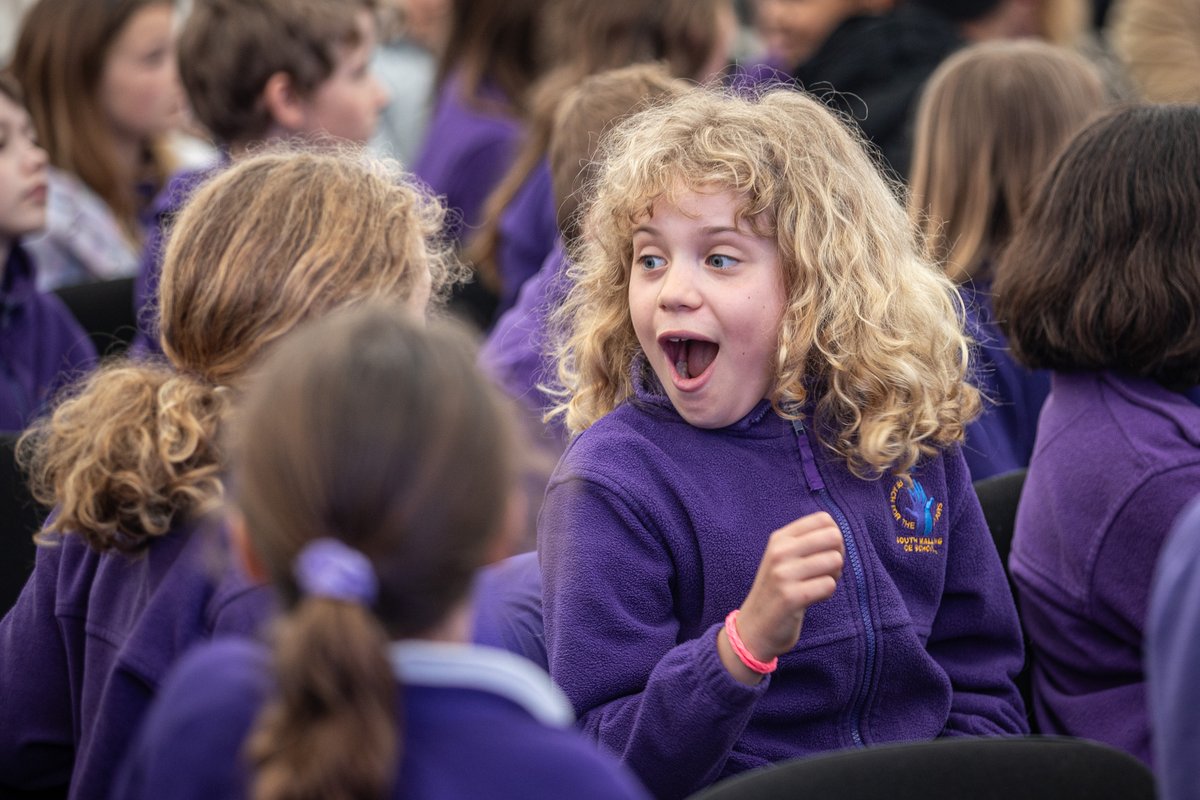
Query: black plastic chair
{"points": [[1000, 768], [999, 496], [105, 310], [20, 518]]}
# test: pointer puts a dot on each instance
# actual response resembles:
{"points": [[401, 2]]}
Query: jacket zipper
{"points": [[817, 486]]}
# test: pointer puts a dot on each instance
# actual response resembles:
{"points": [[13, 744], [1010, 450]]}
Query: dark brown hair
{"points": [[366, 428], [228, 49], [10, 88], [1103, 273], [59, 61]]}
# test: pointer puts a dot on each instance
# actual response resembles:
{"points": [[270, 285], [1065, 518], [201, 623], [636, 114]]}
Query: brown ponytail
{"points": [[332, 729], [131, 450]]}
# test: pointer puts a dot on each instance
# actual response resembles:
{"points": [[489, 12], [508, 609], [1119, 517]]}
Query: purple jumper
{"points": [[528, 230], [1173, 660], [89, 641], [467, 150], [477, 722], [1001, 439], [1117, 459], [42, 347], [653, 530]]}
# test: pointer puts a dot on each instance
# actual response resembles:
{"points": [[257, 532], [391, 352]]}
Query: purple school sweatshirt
{"points": [[42, 347], [514, 353], [477, 723], [1117, 458], [1001, 439], [528, 232], [467, 150], [1173, 660], [89, 641], [653, 530]]}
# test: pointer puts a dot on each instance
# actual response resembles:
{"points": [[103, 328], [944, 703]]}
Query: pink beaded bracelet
{"points": [[735, 641]]}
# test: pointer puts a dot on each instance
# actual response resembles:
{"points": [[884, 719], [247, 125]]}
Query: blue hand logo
{"points": [[920, 507]]}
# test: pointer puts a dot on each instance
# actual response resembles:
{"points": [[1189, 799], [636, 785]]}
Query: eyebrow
{"points": [[708, 230]]}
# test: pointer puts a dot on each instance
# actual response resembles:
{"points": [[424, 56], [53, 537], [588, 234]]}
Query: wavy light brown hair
{"points": [[279, 238], [1158, 41], [990, 120], [369, 429], [591, 37], [59, 61], [1104, 271], [229, 49], [870, 328]]}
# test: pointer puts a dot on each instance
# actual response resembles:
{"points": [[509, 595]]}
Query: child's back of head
{"points": [[231, 50], [989, 122], [281, 237]]}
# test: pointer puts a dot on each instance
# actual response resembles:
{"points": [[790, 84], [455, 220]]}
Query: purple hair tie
{"points": [[331, 568]]}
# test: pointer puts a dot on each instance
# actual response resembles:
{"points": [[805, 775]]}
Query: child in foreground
{"points": [[129, 572], [372, 467], [765, 382]]}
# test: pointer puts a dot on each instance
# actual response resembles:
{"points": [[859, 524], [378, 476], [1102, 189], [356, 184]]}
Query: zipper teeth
{"points": [[860, 587]]}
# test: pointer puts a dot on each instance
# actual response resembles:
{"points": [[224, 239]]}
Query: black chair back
{"points": [[999, 768], [105, 311], [20, 518]]}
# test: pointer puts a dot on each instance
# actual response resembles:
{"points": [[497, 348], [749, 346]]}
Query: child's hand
{"points": [[801, 566]]}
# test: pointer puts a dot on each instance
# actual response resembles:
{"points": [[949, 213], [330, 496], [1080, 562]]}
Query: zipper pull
{"points": [[807, 462]]}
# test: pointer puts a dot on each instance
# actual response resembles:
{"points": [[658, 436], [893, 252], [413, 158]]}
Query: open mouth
{"points": [[689, 357]]}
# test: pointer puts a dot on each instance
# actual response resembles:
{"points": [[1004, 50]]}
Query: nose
{"points": [[35, 157], [680, 288]]}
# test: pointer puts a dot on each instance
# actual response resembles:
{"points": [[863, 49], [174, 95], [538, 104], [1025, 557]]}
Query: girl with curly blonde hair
{"points": [[766, 383], [125, 580]]}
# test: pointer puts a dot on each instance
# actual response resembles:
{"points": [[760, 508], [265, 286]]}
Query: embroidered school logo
{"points": [[918, 513]]}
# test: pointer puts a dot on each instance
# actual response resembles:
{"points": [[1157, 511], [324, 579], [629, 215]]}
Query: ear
{"points": [[287, 109], [243, 550]]}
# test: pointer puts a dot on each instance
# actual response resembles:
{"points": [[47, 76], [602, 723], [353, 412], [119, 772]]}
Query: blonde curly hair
{"points": [[872, 329], [283, 236]]}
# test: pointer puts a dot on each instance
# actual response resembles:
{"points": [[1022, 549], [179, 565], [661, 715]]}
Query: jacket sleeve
{"points": [[976, 634], [667, 708], [37, 744]]}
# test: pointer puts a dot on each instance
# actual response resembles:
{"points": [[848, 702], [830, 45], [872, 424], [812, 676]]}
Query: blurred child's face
{"points": [[793, 30], [706, 298], [347, 105], [22, 175], [139, 88]]}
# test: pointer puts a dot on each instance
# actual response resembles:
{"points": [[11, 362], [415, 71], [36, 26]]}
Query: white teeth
{"points": [[682, 368], [675, 339]]}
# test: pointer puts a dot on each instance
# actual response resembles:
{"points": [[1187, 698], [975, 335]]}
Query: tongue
{"points": [[698, 356]]}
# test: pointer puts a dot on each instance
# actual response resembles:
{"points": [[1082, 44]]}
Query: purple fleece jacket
{"points": [[1001, 439], [88, 642], [1173, 660], [477, 723], [145, 287], [528, 232], [1117, 459], [42, 347], [467, 150], [652, 531]]}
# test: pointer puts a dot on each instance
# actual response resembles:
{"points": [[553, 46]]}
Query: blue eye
{"points": [[651, 262], [718, 261]]}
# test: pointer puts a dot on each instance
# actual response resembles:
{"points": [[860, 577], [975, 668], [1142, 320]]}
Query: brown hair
{"points": [[59, 61], [989, 122], [496, 43], [592, 37], [280, 237], [1102, 273], [368, 429], [1158, 41], [228, 50], [10, 88], [584, 115]]}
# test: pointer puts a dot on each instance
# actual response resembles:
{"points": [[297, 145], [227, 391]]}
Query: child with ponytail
{"points": [[125, 580], [372, 470]]}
